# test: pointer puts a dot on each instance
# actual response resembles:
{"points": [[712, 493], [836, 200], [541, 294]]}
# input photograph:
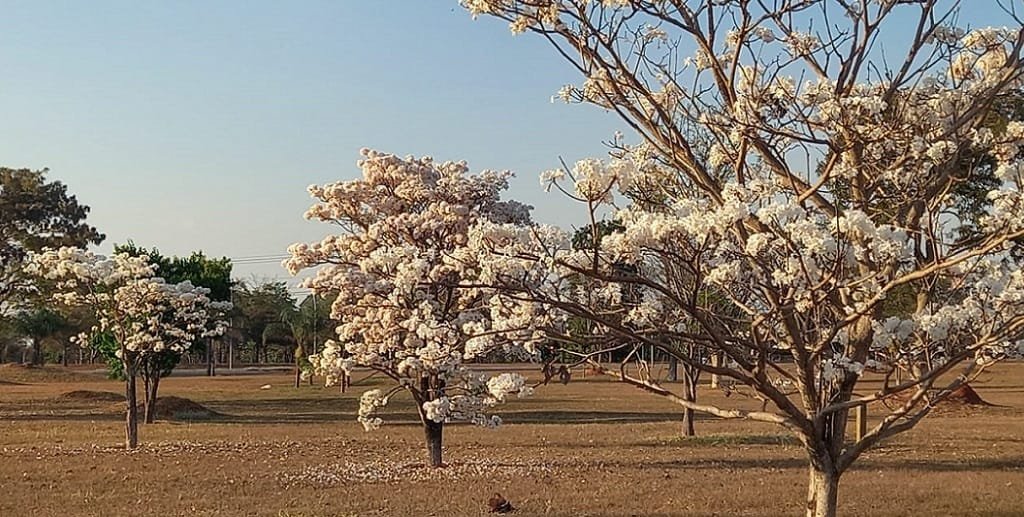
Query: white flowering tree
{"points": [[405, 299], [143, 314], [186, 315], [837, 178]]}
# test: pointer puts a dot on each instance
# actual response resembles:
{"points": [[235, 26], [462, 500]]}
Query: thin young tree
{"points": [[846, 167]]}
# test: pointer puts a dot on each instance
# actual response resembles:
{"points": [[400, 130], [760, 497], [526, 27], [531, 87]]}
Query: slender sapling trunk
{"points": [[151, 387], [131, 429]]}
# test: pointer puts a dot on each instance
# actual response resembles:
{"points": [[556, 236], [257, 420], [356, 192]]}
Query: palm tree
{"points": [[310, 321], [38, 325]]}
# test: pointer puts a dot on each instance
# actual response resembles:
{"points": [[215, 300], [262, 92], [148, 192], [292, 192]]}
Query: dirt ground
{"points": [[593, 447]]}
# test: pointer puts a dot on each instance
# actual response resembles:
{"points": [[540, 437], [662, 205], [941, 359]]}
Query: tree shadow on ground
{"points": [[921, 465], [587, 417], [945, 465], [68, 417], [281, 413]]}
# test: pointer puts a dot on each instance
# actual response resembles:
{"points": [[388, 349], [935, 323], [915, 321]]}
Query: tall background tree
{"points": [[35, 213], [310, 325], [262, 309]]}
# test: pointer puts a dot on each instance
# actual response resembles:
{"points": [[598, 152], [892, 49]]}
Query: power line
{"points": [[276, 260], [264, 256]]}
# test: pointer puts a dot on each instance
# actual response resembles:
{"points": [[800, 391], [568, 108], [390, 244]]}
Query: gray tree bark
{"points": [[822, 492], [131, 424]]}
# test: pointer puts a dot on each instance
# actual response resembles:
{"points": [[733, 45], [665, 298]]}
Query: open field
{"points": [[593, 447]]}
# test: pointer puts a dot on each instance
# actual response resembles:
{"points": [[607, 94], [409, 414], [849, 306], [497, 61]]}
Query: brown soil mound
{"points": [[962, 400], [965, 395], [178, 408], [89, 395]]}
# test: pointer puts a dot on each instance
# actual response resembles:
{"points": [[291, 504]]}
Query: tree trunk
{"points": [[64, 356], [690, 395], [146, 406], [688, 429], [300, 351], [37, 352], [151, 387], [673, 369], [131, 425], [716, 361], [822, 492], [211, 369], [434, 432]]}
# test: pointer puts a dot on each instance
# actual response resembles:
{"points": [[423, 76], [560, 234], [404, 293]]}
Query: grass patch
{"points": [[195, 416]]}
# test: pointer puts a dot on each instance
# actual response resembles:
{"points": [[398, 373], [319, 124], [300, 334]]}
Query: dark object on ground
{"points": [[498, 504]]}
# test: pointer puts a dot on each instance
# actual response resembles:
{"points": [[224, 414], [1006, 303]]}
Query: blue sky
{"points": [[198, 125]]}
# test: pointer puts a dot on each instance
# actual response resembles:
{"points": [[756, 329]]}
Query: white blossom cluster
{"points": [[767, 245], [816, 260], [409, 303], [801, 264], [141, 311]]}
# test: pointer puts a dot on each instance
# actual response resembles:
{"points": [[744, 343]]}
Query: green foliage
{"points": [[107, 346], [970, 188], [585, 239], [39, 323], [35, 214], [262, 305], [278, 333], [311, 321], [202, 271]]}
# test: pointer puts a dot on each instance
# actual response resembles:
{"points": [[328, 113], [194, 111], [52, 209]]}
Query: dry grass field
{"points": [[593, 447]]}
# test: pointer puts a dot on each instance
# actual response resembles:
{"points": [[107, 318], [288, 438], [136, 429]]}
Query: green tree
{"points": [[259, 305], [308, 322], [34, 214], [38, 324]]}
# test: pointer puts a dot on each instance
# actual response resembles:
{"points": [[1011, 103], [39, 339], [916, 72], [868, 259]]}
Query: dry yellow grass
{"points": [[593, 447]]}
